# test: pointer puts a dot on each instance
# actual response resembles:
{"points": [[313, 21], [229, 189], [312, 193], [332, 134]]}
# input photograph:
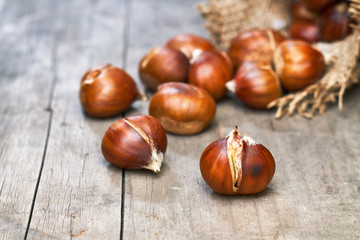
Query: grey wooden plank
{"points": [[79, 195], [26, 69], [315, 191]]}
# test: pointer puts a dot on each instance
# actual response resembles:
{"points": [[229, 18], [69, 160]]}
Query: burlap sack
{"points": [[224, 19]]}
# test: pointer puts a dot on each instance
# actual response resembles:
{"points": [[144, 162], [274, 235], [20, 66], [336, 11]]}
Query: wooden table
{"points": [[55, 183]]}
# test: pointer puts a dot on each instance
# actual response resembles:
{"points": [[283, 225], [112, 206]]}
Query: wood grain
{"points": [[312, 195], [79, 195], [54, 177], [26, 53]]}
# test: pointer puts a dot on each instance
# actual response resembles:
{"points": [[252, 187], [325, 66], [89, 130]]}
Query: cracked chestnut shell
{"points": [[163, 64], [106, 91], [237, 165], [254, 45], [182, 108], [135, 142], [191, 45]]}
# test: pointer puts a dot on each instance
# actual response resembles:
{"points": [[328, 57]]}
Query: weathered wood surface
{"points": [[79, 193], [55, 184], [26, 69]]}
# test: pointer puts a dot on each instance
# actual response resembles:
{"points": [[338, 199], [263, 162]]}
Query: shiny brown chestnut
{"points": [[237, 165], [135, 142], [298, 64], [318, 5], [106, 91], [335, 23], [306, 30], [255, 84], [191, 45], [210, 71], [300, 11], [163, 64], [254, 45], [182, 108]]}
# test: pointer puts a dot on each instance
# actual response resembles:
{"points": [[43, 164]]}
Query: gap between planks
{"points": [[126, 36]]}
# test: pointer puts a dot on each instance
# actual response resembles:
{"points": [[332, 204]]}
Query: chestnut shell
{"points": [[300, 11], [106, 91], [257, 167], [318, 5], [124, 147], [335, 23], [254, 45], [190, 44], [256, 84], [182, 108], [163, 64], [298, 64], [306, 30], [210, 71]]}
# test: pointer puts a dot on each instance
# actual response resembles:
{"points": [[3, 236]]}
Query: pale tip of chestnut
{"points": [[186, 52], [155, 161], [91, 79], [230, 86], [142, 96], [195, 54], [246, 137], [88, 81]]}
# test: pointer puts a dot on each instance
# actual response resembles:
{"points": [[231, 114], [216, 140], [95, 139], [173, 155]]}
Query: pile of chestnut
{"points": [[320, 20], [188, 75]]}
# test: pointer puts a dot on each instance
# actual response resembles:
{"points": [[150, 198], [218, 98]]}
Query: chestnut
{"points": [[210, 71], [106, 91], [306, 30], [135, 142], [300, 11], [163, 64], [298, 64], [318, 5], [237, 165], [254, 45], [256, 84], [182, 108], [191, 45], [335, 23]]}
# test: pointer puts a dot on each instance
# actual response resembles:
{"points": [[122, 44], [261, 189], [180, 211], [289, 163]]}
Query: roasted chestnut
{"points": [[191, 45], [237, 165], [254, 45], [135, 142], [256, 84], [163, 64], [298, 64], [106, 91], [182, 108], [210, 71]]}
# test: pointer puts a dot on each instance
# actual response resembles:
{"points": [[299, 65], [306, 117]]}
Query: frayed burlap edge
{"points": [[226, 18]]}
